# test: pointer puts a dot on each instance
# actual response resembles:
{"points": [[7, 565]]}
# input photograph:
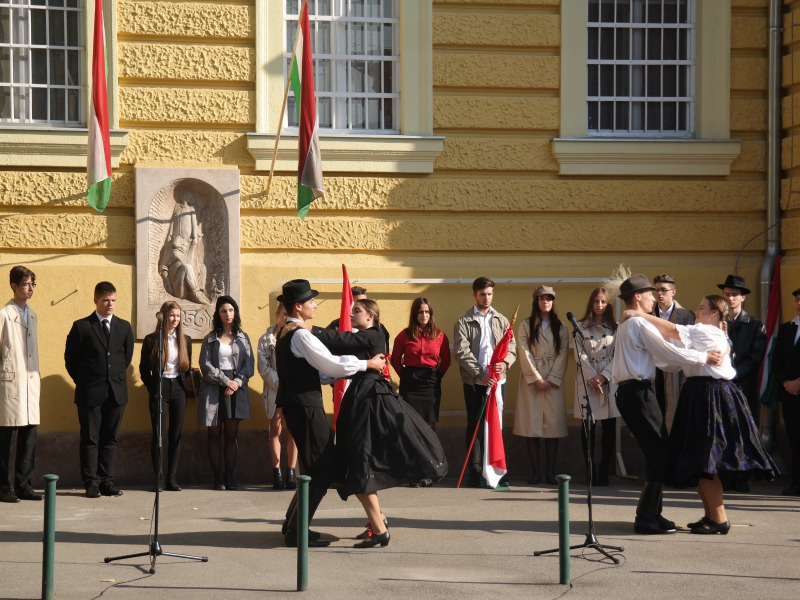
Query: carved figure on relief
{"points": [[189, 248]]}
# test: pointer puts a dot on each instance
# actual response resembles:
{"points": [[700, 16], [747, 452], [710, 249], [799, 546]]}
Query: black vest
{"points": [[298, 381]]}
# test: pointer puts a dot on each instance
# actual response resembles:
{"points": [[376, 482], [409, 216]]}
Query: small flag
{"points": [[309, 163], [767, 389], [99, 156], [340, 386]]}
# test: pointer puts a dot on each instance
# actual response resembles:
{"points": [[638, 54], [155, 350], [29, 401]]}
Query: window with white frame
{"points": [[354, 44], [641, 68], [42, 62]]}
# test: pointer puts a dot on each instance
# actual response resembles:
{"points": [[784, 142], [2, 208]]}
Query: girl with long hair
{"points": [[174, 349], [226, 360], [596, 354], [713, 432], [540, 400]]}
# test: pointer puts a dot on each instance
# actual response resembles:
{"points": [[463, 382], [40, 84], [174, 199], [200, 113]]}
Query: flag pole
{"points": [[481, 414], [285, 99]]}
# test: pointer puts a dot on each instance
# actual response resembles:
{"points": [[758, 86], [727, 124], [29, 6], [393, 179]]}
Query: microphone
{"points": [[571, 319], [160, 316]]}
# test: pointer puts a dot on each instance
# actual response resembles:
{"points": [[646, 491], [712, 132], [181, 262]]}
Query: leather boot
{"points": [[277, 480], [665, 524], [647, 511], [315, 496], [291, 479], [172, 483]]}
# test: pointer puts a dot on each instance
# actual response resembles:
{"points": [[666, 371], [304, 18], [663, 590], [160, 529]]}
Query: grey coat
{"points": [[214, 378]]}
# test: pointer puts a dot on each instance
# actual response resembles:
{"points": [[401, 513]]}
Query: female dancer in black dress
{"points": [[381, 442], [176, 361], [713, 431]]}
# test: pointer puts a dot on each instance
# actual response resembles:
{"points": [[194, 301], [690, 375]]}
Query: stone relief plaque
{"points": [[187, 243]]}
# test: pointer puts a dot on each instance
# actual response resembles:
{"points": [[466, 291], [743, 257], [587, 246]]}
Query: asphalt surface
{"points": [[446, 543]]}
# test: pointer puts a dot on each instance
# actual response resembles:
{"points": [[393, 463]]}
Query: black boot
{"points": [[291, 479], [315, 496], [648, 518], [551, 451], [277, 480], [172, 483]]}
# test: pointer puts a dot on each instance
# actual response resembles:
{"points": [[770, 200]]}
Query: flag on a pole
{"points": [[99, 155], [340, 386], [494, 455], [767, 389], [301, 75]]}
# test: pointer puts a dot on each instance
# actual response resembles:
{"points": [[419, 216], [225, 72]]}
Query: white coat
{"points": [[19, 368], [596, 355]]}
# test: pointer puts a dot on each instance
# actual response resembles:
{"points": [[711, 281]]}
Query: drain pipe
{"points": [[769, 421]]}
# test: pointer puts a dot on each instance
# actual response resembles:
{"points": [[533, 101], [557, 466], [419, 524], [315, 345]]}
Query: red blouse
{"points": [[421, 352]]}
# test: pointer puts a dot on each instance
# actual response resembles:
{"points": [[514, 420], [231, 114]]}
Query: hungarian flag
{"points": [[301, 75], [494, 456], [340, 386], [99, 158], [767, 391]]}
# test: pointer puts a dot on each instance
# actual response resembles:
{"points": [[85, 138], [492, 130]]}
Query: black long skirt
{"points": [[381, 442], [422, 389], [714, 433]]}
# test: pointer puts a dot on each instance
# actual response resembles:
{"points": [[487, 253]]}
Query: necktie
{"points": [[106, 329]]}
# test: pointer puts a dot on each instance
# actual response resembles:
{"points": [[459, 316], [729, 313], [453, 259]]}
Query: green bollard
{"points": [[563, 527], [302, 532], [49, 536]]}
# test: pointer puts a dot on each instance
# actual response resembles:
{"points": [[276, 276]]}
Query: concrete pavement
{"points": [[446, 543]]}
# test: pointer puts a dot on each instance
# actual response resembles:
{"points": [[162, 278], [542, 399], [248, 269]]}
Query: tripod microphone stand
{"points": [[155, 550], [588, 422]]}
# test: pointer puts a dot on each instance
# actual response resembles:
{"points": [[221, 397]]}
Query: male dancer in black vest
{"points": [[300, 358]]}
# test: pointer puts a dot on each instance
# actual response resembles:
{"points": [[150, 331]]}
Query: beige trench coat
{"points": [[541, 414], [596, 357], [19, 368]]}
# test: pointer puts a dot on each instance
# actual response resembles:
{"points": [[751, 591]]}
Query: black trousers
{"points": [[98, 445], [314, 438], [791, 419], [638, 406], [473, 401], [23, 465], [174, 397]]}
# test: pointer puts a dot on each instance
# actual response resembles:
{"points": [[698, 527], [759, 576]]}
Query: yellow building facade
{"points": [[492, 173]]}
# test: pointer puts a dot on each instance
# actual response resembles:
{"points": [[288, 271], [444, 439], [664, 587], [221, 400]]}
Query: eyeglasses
{"points": [[27, 285], [663, 290]]}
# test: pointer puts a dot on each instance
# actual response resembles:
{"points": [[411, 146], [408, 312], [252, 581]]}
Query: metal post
{"points": [[563, 528], [49, 536], [302, 532]]}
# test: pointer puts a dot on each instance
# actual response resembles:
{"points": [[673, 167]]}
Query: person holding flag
{"points": [[476, 335]]}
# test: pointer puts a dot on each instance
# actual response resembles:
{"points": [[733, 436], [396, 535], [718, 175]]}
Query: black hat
{"points": [[797, 291], [297, 290], [635, 283], [734, 281]]}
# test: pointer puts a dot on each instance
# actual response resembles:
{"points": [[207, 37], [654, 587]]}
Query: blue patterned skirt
{"points": [[714, 433]]}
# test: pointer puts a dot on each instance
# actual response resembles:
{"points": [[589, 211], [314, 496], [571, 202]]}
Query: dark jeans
{"points": [[174, 398], [791, 418], [98, 445], [26, 450], [638, 406], [473, 401]]}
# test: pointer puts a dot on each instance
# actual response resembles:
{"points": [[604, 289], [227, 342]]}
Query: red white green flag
{"points": [[768, 393], [99, 157], [301, 75], [340, 386]]}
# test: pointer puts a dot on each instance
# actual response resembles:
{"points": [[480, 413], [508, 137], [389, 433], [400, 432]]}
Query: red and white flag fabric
{"points": [[767, 391], [99, 154], [340, 386], [494, 455], [301, 76]]}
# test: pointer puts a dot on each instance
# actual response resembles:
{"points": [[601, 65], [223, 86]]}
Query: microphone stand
{"points": [[588, 422], [155, 550]]}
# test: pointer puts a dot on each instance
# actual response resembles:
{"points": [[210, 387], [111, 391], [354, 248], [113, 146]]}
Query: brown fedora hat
{"points": [[635, 283]]}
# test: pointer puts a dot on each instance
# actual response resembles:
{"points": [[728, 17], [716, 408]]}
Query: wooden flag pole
{"points": [[285, 99]]}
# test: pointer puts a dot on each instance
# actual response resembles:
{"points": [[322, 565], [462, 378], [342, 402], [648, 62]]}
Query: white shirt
{"points": [[666, 314], [640, 349], [706, 338], [101, 318], [486, 346], [171, 369], [307, 346], [225, 357], [24, 313]]}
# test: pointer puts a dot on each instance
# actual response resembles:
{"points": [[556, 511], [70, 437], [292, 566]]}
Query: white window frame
{"points": [[413, 150], [35, 145], [710, 152]]}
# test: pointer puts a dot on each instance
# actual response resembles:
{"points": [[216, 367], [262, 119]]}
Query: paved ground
{"points": [[446, 543]]}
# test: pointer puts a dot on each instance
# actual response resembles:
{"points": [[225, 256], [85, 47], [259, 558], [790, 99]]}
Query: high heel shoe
{"points": [[699, 523], [374, 540], [368, 531], [712, 528]]}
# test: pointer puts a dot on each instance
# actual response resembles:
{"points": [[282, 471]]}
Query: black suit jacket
{"points": [[149, 371], [787, 358], [94, 365], [749, 344]]}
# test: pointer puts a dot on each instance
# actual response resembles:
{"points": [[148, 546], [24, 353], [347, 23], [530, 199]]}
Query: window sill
{"points": [[53, 147], [604, 156], [352, 154]]}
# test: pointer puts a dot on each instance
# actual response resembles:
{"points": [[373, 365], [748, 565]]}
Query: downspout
{"points": [[773, 187]]}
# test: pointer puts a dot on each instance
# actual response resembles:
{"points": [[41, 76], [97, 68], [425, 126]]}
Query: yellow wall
{"points": [[790, 163], [494, 206]]}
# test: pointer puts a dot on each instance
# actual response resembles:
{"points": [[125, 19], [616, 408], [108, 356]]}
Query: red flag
{"points": [[494, 457], [340, 387], [767, 389]]}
